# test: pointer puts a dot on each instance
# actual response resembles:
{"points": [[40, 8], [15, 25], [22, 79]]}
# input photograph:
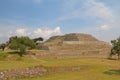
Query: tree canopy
{"points": [[116, 47], [2, 46], [38, 39], [21, 43]]}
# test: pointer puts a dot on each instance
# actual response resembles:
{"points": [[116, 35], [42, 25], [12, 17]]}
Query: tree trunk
{"points": [[118, 56], [3, 48]]}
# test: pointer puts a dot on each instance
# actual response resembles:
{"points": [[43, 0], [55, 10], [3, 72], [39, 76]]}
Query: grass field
{"points": [[98, 69]]}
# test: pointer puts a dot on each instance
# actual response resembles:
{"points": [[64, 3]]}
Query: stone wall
{"points": [[84, 42], [22, 73], [36, 72]]}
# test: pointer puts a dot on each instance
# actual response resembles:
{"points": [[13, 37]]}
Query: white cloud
{"points": [[84, 9], [21, 32], [46, 32], [98, 9], [105, 27], [57, 30]]}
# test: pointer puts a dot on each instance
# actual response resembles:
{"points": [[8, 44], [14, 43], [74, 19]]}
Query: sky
{"points": [[46, 18]]}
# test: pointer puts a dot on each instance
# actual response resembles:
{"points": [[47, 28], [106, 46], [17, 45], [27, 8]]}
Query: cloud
{"points": [[46, 32], [84, 9], [105, 27], [98, 9], [21, 32]]}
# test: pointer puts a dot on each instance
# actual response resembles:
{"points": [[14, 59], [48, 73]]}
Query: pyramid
{"points": [[78, 44]]}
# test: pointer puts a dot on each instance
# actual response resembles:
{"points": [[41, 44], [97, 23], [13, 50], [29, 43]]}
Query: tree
{"points": [[116, 47], [38, 39], [21, 43], [2, 46], [12, 38]]}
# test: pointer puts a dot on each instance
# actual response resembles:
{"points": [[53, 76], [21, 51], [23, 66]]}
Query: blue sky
{"points": [[46, 18]]}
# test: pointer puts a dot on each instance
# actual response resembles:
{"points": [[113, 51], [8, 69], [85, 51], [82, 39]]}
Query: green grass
{"points": [[98, 69], [36, 51], [77, 75]]}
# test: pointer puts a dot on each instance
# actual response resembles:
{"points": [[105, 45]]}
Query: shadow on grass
{"points": [[15, 52], [112, 58], [112, 72]]}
